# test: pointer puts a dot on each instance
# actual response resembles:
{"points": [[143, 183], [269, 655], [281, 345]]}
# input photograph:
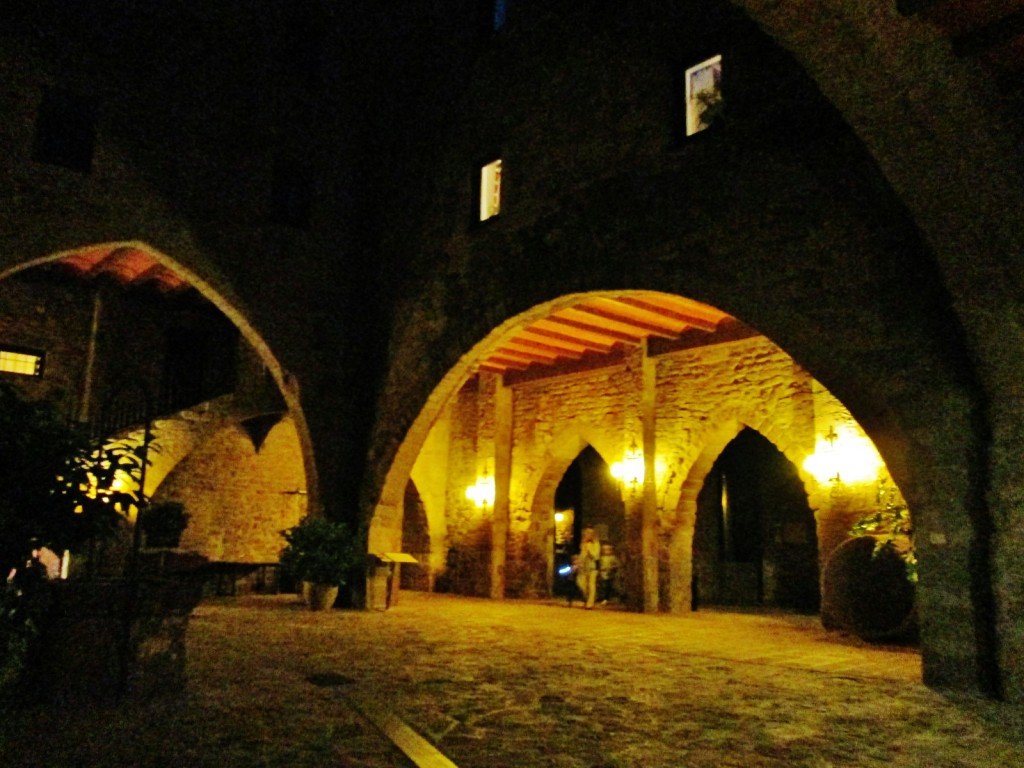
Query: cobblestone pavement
{"points": [[532, 684]]}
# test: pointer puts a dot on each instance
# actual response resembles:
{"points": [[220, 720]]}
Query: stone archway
{"points": [[561, 453], [251, 421], [679, 553], [755, 538]]}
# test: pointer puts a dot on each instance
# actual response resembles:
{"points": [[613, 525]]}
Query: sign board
{"points": [[395, 557]]}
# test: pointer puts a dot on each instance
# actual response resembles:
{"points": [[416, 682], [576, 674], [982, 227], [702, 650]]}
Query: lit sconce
{"points": [[630, 471], [482, 493], [847, 457], [563, 525]]}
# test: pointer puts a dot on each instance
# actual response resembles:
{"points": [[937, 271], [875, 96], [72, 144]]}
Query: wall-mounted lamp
{"points": [[847, 456], [482, 492], [630, 471]]}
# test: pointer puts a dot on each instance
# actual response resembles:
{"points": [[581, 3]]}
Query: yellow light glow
{"points": [[847, 457], [482, 493], [559, 517], [630, 470]]}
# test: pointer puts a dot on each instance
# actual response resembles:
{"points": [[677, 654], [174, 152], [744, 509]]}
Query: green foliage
{"points": [[891, 526], [711, 107], [19, 625], [58, 489], [163, 523], [319, 550]]}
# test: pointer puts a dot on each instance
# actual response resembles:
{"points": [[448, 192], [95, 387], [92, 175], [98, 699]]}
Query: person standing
{"points": [[586, 575], [608, 567]]}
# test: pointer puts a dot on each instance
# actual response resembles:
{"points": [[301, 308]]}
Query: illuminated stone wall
{"points": [[704, 397], [240, 498]]}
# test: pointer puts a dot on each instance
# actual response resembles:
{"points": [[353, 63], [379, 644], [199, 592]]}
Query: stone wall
{"points": [[240, 496], [858, 215], [705, 396]]}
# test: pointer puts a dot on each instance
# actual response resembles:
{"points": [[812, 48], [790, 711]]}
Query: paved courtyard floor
{"points": [[525, 684]]}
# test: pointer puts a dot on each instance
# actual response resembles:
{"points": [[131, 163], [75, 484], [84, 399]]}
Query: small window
{"points": [[65, 130], [291, 194], [500, 13], [703, 95], [490, 190], [21, 362]]}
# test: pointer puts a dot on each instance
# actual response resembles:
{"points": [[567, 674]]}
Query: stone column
{"points": [[503, 424], [649, 498]]}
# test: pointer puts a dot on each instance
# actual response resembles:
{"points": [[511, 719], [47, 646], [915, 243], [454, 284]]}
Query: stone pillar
{"points": [[649, 496], [503, 425]]}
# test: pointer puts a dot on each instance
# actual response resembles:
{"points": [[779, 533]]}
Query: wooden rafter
{"points": [[595, 331]]}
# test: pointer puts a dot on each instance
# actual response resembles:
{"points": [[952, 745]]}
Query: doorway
{"points": [[586, 497], [755, 539]]}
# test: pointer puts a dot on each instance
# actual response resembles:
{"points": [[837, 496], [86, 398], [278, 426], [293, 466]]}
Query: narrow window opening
{"points": [[703, 95], [490, 190], [65, 130], [500, 14], [291, 194], [21, 362]]}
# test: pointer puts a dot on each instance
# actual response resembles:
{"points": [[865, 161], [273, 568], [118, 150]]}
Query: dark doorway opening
{"points": [[755, 540], [415, 541], [589, 497]]}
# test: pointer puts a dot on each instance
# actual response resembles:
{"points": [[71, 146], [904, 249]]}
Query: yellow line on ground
{"points": [[415, 747]]}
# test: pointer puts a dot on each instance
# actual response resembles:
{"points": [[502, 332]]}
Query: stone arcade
{"points": [[316, 173]]}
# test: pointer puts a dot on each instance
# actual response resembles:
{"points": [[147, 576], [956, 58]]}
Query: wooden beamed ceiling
{"points": [[125, 265], [596, 331]]}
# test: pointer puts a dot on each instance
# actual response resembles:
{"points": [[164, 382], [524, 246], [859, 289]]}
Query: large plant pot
{"points": [[109, 638], [868, 594], [320, 597]]}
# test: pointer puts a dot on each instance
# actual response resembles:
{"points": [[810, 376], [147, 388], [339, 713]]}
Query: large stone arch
{"points": [[934, 122], [403, 455], [231, 309], [161, 181], [817, 342], [841, 279]]}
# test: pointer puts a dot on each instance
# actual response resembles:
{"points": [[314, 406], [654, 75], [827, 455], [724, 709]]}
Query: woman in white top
{"points": [[586, 575]]}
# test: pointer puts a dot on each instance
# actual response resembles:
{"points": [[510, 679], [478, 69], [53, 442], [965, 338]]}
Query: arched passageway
{"points": [[126, 338], [513, 445], [592, 496], [755, 539]]}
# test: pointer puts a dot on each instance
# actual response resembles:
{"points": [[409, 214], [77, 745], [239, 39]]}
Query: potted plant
{"points": [[320, 553], [163, 523], [73, 637]]}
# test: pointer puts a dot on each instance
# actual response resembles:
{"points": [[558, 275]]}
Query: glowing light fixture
{"points": [[630, 471], [482, 492], [844, 457]]}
